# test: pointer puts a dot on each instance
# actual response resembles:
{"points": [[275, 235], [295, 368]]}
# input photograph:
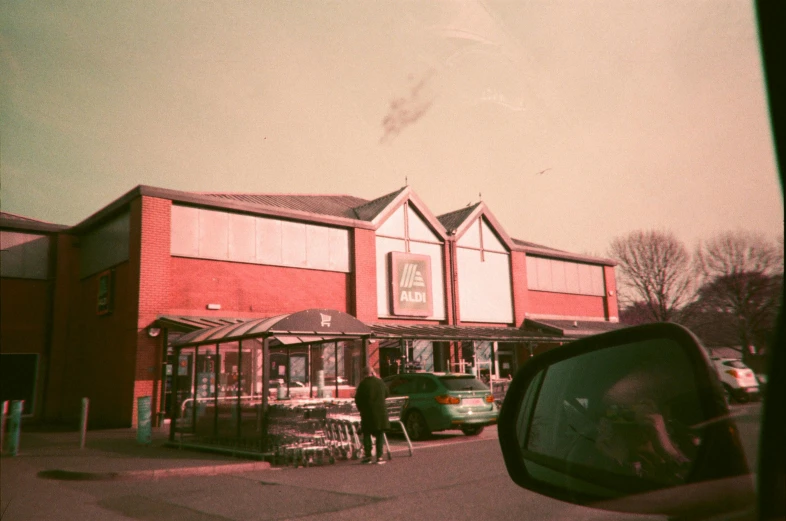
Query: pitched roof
{"points": [[333, 205], [528, 244], [15, 217], [546, 251], [370, 209], [452, 220], [20, 222]]}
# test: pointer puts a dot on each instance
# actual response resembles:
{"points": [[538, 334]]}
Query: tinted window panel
{"points": [[463, 383]]}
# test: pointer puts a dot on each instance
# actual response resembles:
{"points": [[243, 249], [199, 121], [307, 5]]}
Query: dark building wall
{"points": [[101, 352], [23, 330], [23, 315], [66, 277]]}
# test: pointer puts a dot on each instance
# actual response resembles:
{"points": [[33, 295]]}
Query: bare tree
{"points": [[656, 273], [743, 281]]}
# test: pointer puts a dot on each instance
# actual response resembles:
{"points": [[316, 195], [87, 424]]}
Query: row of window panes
{"points": [[564, 276], [210, 234]]}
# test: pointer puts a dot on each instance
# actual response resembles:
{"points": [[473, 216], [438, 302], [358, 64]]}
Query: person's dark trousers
{"points": [[367, 444]]}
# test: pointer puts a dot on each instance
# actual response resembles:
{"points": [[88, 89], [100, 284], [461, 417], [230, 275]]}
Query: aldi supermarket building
{"points": [[184, 296]]}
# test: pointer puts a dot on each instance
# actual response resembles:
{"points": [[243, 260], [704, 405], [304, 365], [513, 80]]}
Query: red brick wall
{"points": [[252, 289], [564, 304], [364, 275], [447, 268], [149, 253], [612, 311], [518, 269], [453, 287]]}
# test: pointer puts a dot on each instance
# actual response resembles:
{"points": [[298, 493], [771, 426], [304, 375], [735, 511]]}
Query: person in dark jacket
{"points": [[370, 400]]}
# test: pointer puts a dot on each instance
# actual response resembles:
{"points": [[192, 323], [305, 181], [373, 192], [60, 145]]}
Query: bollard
{"points": [[321, 383], [2, 425], [144, 423], [15, 426], [83, 423]]}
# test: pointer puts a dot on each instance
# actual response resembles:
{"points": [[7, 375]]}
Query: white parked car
{"points": [[739, 381]]}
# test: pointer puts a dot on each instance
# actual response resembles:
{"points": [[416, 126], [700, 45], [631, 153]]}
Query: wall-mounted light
{"points": [[214, 306], [153, 332]]}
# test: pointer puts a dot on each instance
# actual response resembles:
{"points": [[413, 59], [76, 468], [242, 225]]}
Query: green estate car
{"points": [[442, 401]]}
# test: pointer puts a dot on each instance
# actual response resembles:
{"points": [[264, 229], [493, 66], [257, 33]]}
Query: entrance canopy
{"points": [[446, 333], [308, 326]]}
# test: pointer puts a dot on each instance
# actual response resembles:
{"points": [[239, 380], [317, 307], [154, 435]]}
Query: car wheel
{"points": [[728, 394], [416, 426], [472, 430]]}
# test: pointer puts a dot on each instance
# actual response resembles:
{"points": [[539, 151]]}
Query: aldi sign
{"points": [[410, 284]]}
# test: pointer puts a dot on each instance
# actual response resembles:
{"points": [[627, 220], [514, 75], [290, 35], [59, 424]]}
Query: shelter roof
{"points": [[571, 328], [439, 332], [224, 329], [310, 325]]}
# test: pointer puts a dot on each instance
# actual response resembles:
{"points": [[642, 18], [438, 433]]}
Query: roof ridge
{"points": [[10, 215], [277, 194], [464, 209]]}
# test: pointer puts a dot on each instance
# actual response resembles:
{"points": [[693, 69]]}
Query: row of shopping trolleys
{"points": [[305, 434]]}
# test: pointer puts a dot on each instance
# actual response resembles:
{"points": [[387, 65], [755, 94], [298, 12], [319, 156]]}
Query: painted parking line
{"points": [[416, 446]]}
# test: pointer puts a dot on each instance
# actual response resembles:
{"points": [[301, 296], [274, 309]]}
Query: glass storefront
{"points": [[219, 388]]}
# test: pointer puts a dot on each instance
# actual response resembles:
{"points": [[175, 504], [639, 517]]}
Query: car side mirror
{"points": [[632, 420]]}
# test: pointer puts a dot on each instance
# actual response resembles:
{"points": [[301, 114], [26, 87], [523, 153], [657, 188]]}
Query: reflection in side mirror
{"points": [[616, 415]]}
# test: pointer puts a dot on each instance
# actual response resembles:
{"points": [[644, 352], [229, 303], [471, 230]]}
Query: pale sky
{"points": [[643, 114]]}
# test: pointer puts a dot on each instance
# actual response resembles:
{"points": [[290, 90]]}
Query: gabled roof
{"points": [[371, 209], [459, 221], [452, 220], [380, 209]]}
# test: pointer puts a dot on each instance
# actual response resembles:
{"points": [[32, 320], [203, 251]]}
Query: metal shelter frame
{"points": [[312, 326]]}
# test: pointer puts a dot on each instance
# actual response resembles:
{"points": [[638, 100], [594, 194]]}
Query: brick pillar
{"points": [[449, 280], [364, 276], [610, 299], [151, 266], [518, 273]]}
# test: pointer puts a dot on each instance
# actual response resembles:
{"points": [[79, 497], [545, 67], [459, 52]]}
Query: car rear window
{"points": [[463, 383], [736, 364]]}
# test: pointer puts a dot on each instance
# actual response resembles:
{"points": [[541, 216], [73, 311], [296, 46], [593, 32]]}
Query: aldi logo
{"points": [[410, 284]]}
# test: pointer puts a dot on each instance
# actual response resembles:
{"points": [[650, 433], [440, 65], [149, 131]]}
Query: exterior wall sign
{"points": [[410, 284], [105, 290]]}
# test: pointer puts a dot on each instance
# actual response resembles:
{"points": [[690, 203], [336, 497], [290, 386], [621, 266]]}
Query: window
{"points": [[560, 276]]}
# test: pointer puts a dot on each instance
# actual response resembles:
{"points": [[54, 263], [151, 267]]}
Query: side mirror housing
{"points": [[627, 420]]}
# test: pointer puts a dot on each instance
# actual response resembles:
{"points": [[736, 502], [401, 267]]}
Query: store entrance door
{"points": [[389, 361]]}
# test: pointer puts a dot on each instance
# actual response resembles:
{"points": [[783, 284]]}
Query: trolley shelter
{"points": [[222, 381]]}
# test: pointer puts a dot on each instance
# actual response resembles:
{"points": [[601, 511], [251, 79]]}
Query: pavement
{"points": [[115, 454]]}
